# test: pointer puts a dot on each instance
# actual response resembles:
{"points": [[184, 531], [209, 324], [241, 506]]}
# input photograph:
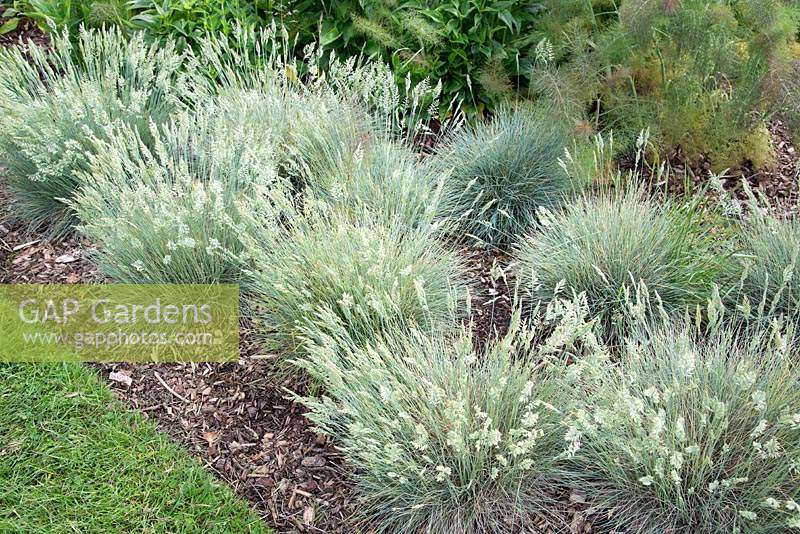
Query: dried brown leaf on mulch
{"points": [[31, 260]]}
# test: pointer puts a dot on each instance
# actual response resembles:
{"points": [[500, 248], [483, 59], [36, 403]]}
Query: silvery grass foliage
{"points": [[764, 273], [254, 58], [500, 172], [341, 160], [691, 433], [54, 101], [767, 266], [175, 212], [373, 273], [440, 438], [619, 248], [347, 133], [330, 149]]}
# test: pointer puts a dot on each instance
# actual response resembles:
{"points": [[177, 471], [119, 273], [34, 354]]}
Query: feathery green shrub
{"points": [[375, 273], [702, 75], [174, 213], [690, 433], [499, 173], [615, 246], [55, 103], [765, 273], [439, 438]]}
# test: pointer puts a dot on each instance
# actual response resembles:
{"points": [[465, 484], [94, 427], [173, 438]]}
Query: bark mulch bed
{"points": [[492, 292], [237, 418], [239, 422], [779, 183]]}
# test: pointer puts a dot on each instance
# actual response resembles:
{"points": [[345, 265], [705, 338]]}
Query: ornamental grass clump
{"points": [[766, 271], [345, 161], [499, 173], [440, 438], [334, 150], [346, 135], [620, 249], [252, 59], [175, 213], [384, 178], [55, 102], [376, 275], [690, 433]]}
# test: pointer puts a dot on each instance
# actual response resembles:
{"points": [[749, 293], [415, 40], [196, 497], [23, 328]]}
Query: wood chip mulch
{"points": [[779, 183], [27, 258], [492, 290], [239, 422]]}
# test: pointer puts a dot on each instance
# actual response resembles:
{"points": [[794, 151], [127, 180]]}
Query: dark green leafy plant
{"points": [[475, 47], [189, 21]]}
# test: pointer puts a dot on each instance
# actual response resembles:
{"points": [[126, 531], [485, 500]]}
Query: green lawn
{"points": [[72, 459]]}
